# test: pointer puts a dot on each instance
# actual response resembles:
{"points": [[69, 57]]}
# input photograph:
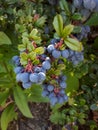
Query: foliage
{"points": [[23, 22]]}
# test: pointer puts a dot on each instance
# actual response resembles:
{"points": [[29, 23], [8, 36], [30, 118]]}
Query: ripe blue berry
{"points": [[24, 77], [50, 88], [34, 77], [26, 85], [41, 76], [63, 84], [50, 48], [46, 65], [65, 53], [56, 54]]}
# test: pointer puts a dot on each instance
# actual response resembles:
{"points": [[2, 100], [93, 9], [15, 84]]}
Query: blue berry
{"points": [[34, 77], [65, 53], [14, 58], [24, 77], [17, 70], [63, 84], [46, 65], [41, 76], [60, 100], [50, 88], [50, 48], [89, 4], [63, 78], [56, 54], [18, 77], [53, 100], [54, 41], [37, 69], [45, 93], [26, 85]]}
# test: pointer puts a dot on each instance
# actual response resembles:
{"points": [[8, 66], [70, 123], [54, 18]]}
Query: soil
{"points": [[41, 112]]}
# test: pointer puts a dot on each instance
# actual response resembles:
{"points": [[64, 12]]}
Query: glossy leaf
{"points": [[72, 83], [39, 50], [3, 96], [73, 44], [58, 24], [21, 102], [40, 22], [23, 58], [64, 6], [34, 94], [4, 39], [7, 116], [67, 30]]}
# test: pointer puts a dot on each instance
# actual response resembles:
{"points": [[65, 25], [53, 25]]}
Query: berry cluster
{"points": [[31, 74], [85, 30], [90, 5], [73, 56], [55, 92], [43, 71]]}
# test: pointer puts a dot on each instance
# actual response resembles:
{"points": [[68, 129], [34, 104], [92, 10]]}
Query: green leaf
{"points": [[93, 21], [61, 67], [76, 29], [4, 39], [64, 6], [40, 22], [39, 50], [21, 102], [33, 33], [21, 47], [3, 96], [72, 83], [23, 58], [34, 94], [77, 16], [32, 55], [73, 44], [7, 116], [1, 56], [95, 44], [58, 24], [34, 36], [67, 30]]}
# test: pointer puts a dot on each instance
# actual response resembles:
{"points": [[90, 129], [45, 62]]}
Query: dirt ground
{"points": [[40, 121]]}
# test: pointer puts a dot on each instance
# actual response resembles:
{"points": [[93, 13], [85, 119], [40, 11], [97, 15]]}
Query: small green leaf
{"points": [[40, 22], [3, 96], [33, 33], [32, 55], [34, 94], [77, 16], [4, 39], [64, 6], [73, 44], [67, 30], [21, 102], [58, 24], [61, 66], [23, 58], [76, 29], [72, 83], [21, 47], [25, 41], [39, 50], [1, 56], [93, 21], [7, 116], [34, 36]]}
